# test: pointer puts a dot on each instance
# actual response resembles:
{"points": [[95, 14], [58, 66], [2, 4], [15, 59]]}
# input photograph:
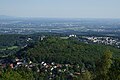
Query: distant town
{"points": [[77, 26]]}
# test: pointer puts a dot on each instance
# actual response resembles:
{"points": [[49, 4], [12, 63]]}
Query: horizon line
{"points": [[38, 17]]}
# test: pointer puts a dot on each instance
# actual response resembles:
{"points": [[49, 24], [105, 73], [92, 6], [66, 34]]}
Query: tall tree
{"points": [[87, 75], [104, 66]]}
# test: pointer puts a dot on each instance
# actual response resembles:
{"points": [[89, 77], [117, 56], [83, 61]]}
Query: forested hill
{"points": [[55, 49]]}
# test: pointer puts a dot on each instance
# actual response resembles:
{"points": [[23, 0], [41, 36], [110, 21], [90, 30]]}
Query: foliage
{"points": [[57, 50], [99, 62]]}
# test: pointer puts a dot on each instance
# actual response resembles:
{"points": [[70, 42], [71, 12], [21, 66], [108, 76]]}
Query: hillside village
{"points": [[52, 69], [96, 40], [103, 40]]}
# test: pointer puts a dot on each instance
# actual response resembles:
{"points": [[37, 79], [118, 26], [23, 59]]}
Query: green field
{"points": [[8, 48]]}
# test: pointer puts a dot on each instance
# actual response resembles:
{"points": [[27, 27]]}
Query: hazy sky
{"points": [[61, 8]]}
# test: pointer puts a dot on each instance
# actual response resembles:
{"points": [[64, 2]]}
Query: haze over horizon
{"points": [[61, 8]]}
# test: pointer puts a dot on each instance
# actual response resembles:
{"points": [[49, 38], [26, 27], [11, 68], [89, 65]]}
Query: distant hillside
{"points": [[65, 51], [5, 17]]}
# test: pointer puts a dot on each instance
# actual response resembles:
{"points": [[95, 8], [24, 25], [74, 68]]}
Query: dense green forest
{"points": [[55, 49], [11, 43], [79, 61]]}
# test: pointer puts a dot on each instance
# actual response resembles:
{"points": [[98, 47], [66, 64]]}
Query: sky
{"points": [[61, 8]]}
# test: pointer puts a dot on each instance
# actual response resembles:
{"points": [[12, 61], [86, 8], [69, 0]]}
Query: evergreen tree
{"points": [[104, 66], [86, 76]]}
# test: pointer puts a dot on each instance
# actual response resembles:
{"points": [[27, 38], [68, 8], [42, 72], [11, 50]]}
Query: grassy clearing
{"points": [[9, 48]]}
